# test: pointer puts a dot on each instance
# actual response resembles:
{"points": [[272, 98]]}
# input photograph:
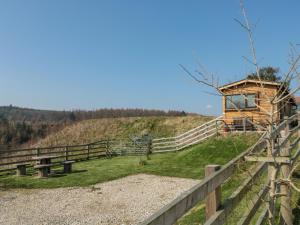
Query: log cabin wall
{"points": [[257, 114]]}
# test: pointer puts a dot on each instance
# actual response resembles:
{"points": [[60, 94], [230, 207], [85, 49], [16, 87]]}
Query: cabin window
{"points": [[251, 101], [235, 101], [247, 101]]}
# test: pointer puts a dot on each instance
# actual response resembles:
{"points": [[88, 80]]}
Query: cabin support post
{"points": [[244, 125], [213, 200], [286, 215]]}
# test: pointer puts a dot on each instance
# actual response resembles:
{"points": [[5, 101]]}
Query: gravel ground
{"points": [[127, 200]]}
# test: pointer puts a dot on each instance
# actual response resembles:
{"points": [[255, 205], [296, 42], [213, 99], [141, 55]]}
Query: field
{"points": [[185, 164]]}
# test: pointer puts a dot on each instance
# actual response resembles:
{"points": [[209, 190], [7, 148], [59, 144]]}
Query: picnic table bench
{"points": [[67, 166], [21, 169], [43, 169], [43, 164]]}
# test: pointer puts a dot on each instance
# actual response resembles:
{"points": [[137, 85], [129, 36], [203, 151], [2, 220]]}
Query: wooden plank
{"points": [[263, 217], [269, 159], [162, 139], [55, 156], [285, 169], [15, 162], [18, 150], [197, 132], [195, 142], [16, 156], [213, 200], [196, 139], [45, 148], [203, 126], [253, 207], [163, 143], [219, 217]]}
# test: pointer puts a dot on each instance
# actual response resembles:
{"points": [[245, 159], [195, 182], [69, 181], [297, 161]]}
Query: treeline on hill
{"points": [[17, 133], [23, 125]]}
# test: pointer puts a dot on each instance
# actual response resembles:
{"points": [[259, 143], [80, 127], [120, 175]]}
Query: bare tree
{"points": [[277, 102]]}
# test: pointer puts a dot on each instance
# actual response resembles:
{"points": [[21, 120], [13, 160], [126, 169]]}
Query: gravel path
{"points": [[127, 200]]}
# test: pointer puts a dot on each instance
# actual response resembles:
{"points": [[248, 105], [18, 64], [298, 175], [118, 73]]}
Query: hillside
{"points": [[24, 126], [93, 130]]}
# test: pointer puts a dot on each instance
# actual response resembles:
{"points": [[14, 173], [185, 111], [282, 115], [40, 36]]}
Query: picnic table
{"points": [[44, 159], [43, 164]]}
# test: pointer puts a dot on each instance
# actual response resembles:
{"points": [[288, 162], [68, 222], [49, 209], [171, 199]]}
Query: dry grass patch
{"points": [[93, 130]]}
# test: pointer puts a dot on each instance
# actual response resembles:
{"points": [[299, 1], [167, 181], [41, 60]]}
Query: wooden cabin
{"points": [[250, 99]]}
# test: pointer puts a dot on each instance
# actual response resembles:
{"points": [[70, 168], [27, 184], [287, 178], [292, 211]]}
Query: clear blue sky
{"points": [[68, 54]]}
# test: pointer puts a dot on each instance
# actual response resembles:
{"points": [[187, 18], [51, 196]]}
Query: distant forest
{"points": [[22, 125]]}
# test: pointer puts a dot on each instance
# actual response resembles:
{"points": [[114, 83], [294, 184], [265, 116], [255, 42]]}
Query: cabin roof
{"points": [[244, 81]]}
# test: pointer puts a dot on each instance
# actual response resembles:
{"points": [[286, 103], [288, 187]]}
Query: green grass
{"points": [[187, 164]]}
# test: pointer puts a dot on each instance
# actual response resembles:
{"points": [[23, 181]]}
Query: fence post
{"points": [[217, 128], [244, 125], [176, 144], [66, 153], [271, 180], [88, 152], [213, 200], [107, 152], [149, 148], [37, 152], [285, 169]]}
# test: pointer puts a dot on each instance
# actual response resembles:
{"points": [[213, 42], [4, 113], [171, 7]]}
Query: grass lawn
{"points": [[188, 164]]}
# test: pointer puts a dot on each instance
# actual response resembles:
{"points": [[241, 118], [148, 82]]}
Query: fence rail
{"points": [[9, 157], [191, 137], [103, 148], [177, 208], [108, 147]]}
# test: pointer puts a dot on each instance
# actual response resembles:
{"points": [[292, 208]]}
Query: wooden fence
{"points": [[191, 137], [108, 147], [200, 134], [104, 148], [210, 187]]}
